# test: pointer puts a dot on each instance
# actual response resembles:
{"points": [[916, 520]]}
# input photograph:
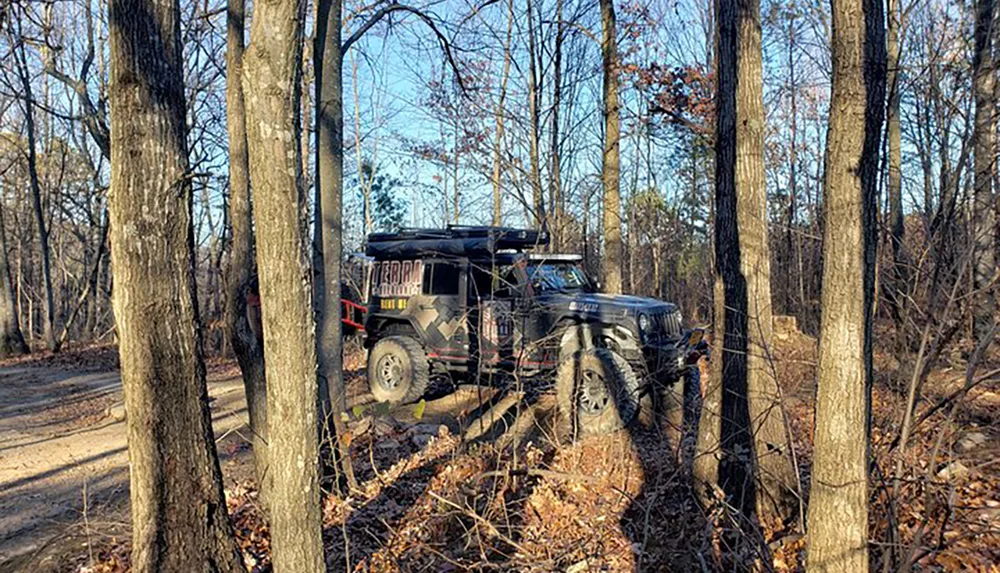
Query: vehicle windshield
{"points": [[550, 276]]}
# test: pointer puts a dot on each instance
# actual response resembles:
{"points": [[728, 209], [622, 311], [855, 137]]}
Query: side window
{"points": [[441, 279]]}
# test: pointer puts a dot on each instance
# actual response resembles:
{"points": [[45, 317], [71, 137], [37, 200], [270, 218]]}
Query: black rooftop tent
{"points": [[454, 241]]}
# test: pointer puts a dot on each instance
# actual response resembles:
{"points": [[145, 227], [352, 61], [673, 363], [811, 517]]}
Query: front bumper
{"points": [[672, 359]]}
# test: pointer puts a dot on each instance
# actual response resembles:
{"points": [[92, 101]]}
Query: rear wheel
{"points": [[597, 392], [397, 370]]}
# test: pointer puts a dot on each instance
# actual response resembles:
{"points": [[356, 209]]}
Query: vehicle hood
{"points": [[605, 305]]}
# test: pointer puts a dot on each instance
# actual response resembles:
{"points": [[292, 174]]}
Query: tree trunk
{"points": [[48, 323], [838, 517], [11, 341], [272, 92], [537, 198], [498, 140], [895, 183], [242, 267], [708, 450], [329, 212], [611, 262], [984, 210], [793, 165], [555, 175], [752, 417], [179, 516]]}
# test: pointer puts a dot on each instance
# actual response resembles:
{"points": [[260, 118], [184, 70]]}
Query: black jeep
{"points": [[477, 300]]}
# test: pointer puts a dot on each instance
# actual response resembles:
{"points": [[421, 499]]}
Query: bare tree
{"points": [[242, 266], [178, 509], [838, 504], [611, 262], [28, 101]]}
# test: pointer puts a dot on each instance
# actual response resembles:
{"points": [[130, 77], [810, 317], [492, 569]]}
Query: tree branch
{"points": [[396, 7]]}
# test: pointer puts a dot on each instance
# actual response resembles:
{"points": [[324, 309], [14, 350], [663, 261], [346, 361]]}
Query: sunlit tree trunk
{"points": [[984, 208], [611, 261], [242, 266], [756, 470], [838, 503], [272, 91], [179, 516]]}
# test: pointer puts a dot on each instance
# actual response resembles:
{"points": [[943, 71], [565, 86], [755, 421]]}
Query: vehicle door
{"points": [[491, 307], [439, 311]]}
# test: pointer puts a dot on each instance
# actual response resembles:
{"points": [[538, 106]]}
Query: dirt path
{"points": [[63, 449]]}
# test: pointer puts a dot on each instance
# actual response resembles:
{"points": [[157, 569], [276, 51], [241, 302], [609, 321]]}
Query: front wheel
{"points": [[597, 392], [397, 370]]}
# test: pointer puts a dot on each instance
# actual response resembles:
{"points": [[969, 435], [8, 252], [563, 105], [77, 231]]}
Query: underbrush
{"points": [[431, 501]]}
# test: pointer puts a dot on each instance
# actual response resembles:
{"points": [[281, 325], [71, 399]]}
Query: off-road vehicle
{"points": [[480, 301]]}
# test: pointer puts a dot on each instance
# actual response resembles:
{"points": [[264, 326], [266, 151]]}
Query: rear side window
{"points": [[441, 279]]}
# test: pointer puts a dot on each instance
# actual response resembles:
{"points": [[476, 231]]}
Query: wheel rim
{"points": [[389, 372], [594, 397]]}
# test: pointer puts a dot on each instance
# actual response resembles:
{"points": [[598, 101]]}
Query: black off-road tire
{"points": [[580, 413], [398, 372]]}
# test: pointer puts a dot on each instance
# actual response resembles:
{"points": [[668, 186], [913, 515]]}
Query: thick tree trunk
{"points": [[838, 516], [179, 513], [242, 267], [984, 209], [48, 323], [752, 417], [272, 92], [11, 341], [611, 262], [329, 213]]}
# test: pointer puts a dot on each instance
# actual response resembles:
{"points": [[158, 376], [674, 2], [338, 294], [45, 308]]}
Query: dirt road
{"points": [[64, 458]]}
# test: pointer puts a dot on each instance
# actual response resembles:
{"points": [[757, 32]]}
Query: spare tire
{"points": [[397, 370], [597, 392]]}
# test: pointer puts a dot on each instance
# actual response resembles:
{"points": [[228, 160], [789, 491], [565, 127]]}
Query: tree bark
{"points": [[611, 262], [752, 417], [11, 341], [838, 517], [179, 516], [272, 90], [329, 213], [242, 267], [984, 209]]}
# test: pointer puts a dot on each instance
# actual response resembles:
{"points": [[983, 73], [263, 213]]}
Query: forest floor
{"points": [[476, 479], [64, 457]]}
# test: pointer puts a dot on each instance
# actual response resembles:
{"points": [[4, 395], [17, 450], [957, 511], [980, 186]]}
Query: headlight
{"points": [[643, 322]]}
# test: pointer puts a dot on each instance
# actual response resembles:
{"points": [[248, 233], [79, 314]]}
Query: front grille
{"points": [[668, 323]]}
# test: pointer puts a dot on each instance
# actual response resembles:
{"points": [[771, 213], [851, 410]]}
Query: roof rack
{"points": [[454, 240]]}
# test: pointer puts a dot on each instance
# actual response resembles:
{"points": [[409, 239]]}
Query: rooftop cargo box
{"points": [[454, 241]]}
